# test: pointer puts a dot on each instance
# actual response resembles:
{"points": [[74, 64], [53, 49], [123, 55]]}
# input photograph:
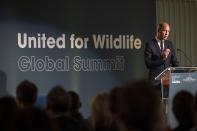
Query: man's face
{"points": [[164, 32]]}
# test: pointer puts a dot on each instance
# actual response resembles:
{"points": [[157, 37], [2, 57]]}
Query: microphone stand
{"points": [[187, 58]]}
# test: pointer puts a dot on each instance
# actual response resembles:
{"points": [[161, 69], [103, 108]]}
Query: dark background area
{"points": [[83, 18]]}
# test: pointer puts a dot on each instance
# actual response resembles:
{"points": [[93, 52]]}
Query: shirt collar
{"points": [[158, 40]]}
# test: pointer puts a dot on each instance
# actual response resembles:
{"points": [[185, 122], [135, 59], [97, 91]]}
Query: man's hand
{"points": [[165, 54]]}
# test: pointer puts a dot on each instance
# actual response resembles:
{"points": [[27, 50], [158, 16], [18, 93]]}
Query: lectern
{"points": [[173, 80]]}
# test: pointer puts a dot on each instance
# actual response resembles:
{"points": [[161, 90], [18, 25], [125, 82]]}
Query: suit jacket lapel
{"points": [[156, 46]]}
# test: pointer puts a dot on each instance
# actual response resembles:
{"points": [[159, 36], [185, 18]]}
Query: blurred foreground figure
{"points": [[183, 110], [135, 107], [8, 111], [57, 107], [26, 94], [195, 113], [100, 113], [33, 119]]}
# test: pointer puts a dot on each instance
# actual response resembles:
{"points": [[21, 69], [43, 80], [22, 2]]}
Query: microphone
{"points": [[187, 58]]}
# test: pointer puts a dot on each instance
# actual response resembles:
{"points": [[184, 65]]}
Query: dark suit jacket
{"points": [[64, 123], [154, 61]]}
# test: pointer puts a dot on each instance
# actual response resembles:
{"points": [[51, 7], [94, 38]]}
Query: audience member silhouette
{"points": [[135, 106], [75, 105], [183, 110], [57, 107], [8, 111], [74, 111], [100, 113], [3, 82], [195, 113], [26, 94], [131, 107], [33, 119]]}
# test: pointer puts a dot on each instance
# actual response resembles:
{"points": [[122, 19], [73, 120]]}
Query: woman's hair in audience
{"points": [[100, 113]]}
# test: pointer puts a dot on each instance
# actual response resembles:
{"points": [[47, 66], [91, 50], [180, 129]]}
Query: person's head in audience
{"points": [[57, 101], [8, 111], [100, 113], [183, 109], [74, 111], [134, 106], [57, 107], [26, 94], [75, 105]]}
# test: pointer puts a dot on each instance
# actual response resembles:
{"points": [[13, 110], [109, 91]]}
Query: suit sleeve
{"points": [[152, 60]]}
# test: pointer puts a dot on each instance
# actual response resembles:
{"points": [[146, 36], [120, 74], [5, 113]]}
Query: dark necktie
{"points": [[161, 45]]}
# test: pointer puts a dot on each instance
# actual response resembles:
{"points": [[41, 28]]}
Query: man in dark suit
{"points": [[159, 54]]}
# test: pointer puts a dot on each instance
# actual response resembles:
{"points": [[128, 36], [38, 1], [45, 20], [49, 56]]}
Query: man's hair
{"points": [[162, 25], [26, 92], [58, 100], [75, 103]]}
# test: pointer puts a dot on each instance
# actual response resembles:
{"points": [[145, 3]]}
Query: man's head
{"points": [[26, 93], [163, 31], [57, 100], [75, 103], [183, 107], [135, 105]]}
